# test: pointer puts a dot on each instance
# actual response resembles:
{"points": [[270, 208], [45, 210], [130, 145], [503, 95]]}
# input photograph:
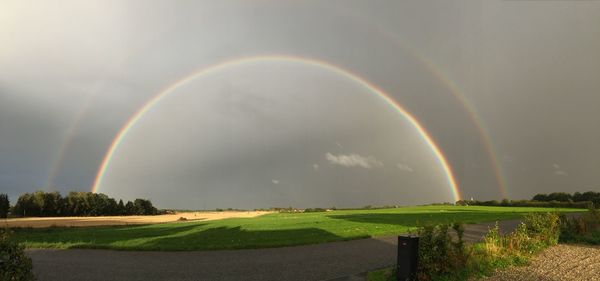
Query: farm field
{"points": [[269, 230], [42, 222]]}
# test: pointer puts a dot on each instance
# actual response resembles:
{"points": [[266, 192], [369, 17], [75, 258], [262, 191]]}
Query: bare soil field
{"points": [[41, 222], [559, 263]]}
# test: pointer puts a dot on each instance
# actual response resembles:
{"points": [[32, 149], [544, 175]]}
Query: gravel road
{"points": [[559, 263]]}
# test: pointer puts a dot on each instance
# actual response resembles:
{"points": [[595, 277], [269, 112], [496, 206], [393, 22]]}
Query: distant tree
{"points": [[144, 207], [4, 205], [559, 196], [25, 206], [129, 208], [42, 203], [540, 197], [121, 208]]}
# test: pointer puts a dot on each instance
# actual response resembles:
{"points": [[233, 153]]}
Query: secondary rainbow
{"points": [[441, 158], [449, 83]]}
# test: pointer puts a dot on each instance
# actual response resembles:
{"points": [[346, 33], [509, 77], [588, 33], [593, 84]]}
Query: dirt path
{"points": [[123, 220], [559, 263], [345, 260]]}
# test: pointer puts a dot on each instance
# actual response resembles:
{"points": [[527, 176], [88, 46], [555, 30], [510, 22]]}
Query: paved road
{"points": [[337, 260]]}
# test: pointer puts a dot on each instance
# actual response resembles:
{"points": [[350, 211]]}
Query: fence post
{"points": [[408, 256]]}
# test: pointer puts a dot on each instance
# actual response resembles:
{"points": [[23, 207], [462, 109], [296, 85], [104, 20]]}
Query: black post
{"points": [[408, 250]]}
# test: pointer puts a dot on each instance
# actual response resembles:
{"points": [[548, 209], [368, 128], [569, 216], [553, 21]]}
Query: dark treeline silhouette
{"points": [[4, 205], [552, 200], [52, 204], [589, 196]]}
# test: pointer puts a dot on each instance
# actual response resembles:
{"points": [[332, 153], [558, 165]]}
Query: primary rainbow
{"points": [[441, 158]]}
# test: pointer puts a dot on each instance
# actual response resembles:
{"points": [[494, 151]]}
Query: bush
{"points": [[537, 232], [544, 227], [17, 266], [439, 253], [584, 228]]}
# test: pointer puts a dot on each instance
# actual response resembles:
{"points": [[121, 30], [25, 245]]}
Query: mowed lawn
{"points": [[272, 230]]}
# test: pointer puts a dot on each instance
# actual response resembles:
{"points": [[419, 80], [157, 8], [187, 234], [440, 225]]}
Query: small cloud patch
{"points": [[559, 171], [353, 160], [405, 168], [275, 181]]}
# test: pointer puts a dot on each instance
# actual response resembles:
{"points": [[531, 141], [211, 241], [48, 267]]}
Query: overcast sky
{"points": [[283, 133]]}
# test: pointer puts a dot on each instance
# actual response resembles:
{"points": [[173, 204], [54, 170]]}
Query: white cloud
{"points": [[405, 168], [315, 166], [561, 173], [353, 160], [275, 181], [558, 171]]}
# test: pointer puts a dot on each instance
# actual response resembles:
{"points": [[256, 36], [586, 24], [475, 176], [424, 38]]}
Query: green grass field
{"points": [[272, 230]]}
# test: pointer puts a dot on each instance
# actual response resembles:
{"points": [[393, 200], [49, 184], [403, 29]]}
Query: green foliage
{"points": [[52, 204], [439, 253], [584, 228], [4, 205], [543, 227], [590, 196], [385, 274], [16, 265], [526, 203], [314, 210], [443, 256]]}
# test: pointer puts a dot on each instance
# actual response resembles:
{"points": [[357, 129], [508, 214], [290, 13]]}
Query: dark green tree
{"points": [[4, 205]]}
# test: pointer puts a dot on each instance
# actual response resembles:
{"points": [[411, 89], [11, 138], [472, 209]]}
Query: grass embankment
{"points": [[272, 230]]}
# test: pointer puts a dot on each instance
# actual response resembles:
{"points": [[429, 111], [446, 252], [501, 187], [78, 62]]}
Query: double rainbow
{"points": [[135, 118]]}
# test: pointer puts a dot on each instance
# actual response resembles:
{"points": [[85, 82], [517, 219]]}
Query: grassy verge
{"points": [[273, 230], [443, 258]]}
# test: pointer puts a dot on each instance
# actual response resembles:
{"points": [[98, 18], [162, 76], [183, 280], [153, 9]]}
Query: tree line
{"points": [[53, 204], [589, 196], [552, 200]]}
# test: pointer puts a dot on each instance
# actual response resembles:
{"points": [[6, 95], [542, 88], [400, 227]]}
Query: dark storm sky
{"points": [[284, 133]]}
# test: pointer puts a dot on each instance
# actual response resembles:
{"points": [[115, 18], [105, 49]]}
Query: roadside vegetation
{"points": [[581, 229], [445, 257], [14, 265], [271, 230]]}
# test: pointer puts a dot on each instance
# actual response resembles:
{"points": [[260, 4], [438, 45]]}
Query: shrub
{"points": [[536, 232], [16, 266], [584, 228], [543, 227], [439, 253]]}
